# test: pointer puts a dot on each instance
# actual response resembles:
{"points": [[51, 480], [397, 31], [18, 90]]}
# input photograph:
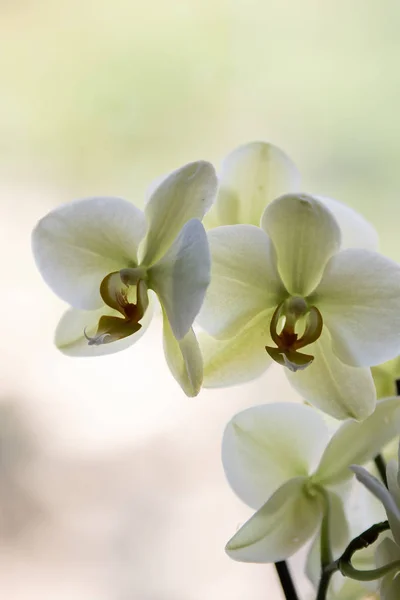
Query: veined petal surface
{"points": [[356, 231], [358, 443], [184, 359], [305, 236], [70, 338], [252, 176], [76, 245], [244, 279], [240, 358], [266, 445], [184, 195], [359, 300], [341, 391], [181, 277], [280, 527]]}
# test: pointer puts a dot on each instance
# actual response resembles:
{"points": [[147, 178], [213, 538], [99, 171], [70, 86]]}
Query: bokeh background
{"points": [[111, 486]]}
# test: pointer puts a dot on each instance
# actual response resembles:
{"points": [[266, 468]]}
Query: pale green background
{"points": [[120, 495]]}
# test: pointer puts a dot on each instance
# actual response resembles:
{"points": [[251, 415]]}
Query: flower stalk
{"points": [[286, 580]]}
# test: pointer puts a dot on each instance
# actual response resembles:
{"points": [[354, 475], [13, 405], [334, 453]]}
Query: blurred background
{"points": [[111, 486]]}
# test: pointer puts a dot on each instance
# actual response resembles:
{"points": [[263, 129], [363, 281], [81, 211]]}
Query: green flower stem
{"points": [[328, 566], [327, 573], [363, 541], [326, 552], [286, 580], [349, 571]]}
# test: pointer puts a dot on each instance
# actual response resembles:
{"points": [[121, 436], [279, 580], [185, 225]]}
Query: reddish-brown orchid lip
{"points": [[287, 340], [114, 292]]}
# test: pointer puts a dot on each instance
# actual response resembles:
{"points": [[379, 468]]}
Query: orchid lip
{"points": [[287, 339], [115, 292]]}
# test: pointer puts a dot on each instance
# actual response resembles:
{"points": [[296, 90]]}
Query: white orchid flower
{"points": [[388, 550], [103, 255], [295, 283], [251, 177], [255, 174], [281, 460]]}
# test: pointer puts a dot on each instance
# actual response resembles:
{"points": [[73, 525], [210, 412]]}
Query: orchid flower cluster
{"points": [[248, 271]]}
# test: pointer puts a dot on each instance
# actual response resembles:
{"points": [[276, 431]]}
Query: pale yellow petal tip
{"points": [[234, 550], [192, 391]]}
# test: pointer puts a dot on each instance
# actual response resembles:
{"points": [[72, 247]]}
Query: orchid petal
{"points": [[356, 231], [70, 333], [181, 277], [252, 176], [244, 279], [305, 235], [383, 494], [184, 359], [76, 245], [388, 552], [360, 303], [280, 527], [240, 358], [335, 388], [185, 194], [392, 474], [266, 445], [358, 442]]}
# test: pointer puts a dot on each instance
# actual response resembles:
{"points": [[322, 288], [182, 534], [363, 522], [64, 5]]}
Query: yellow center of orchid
{"points": [[291, 315], [126, 292]]}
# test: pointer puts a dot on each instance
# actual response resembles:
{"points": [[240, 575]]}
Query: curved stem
{"points": [[348, 570], [286, 581], [364, 540]]}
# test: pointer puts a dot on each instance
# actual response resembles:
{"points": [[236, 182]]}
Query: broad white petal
{"points": [[388, 552], [332, 386], [240, 358], [392, 474], [358, 443], [356, 231], [305, 235], [360, 303], [184, 359], [383, 494], [266, 445], [181, 277], [76, 245], [185, 194], [281, 526], [252, 176], [244, 279], [350, 589], [70, 338]]}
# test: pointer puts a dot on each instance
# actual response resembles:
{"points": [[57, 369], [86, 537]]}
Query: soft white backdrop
{"points": [[111, 485]]}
